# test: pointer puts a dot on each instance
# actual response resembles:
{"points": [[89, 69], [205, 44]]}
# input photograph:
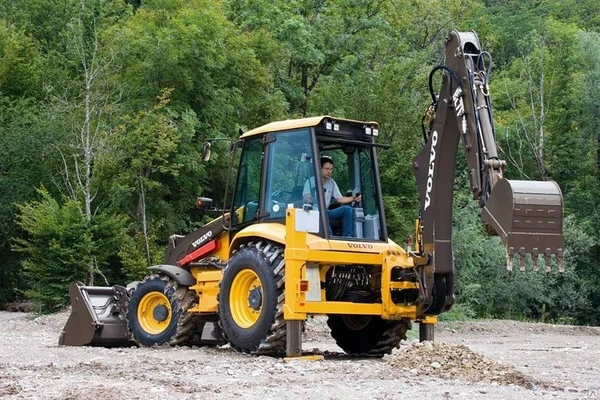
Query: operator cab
{"points": [[280, 163]]}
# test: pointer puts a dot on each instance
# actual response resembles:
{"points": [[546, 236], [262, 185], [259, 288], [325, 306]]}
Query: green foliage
{"points": [[315, 40], [156, 170], [489, 290], [26, 161], [214, 78], [60, 246], [207, 65], [458, 312], [108, 232], [44, 20], [133, 253], [21, 66], [400, 218]]}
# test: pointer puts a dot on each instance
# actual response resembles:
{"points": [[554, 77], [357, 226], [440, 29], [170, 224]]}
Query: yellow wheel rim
{"points": [[246, 298], [154, 313]]}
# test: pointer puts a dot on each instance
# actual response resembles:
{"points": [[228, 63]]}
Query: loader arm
{"points": [[527, 215]]}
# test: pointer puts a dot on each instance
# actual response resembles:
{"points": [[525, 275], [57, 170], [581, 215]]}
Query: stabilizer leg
{"points": [[293, 339], [426, 331]]}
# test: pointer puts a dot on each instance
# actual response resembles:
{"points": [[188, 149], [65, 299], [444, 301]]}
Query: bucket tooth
{"points": [[547, 260], [559, 258], [510, 253], [521, 257], [535, 254]]}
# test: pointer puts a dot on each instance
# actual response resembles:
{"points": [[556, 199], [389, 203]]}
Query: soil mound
{"points": [[454, 361]]}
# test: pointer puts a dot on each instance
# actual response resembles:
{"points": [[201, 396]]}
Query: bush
{"points": [[60, 247]]}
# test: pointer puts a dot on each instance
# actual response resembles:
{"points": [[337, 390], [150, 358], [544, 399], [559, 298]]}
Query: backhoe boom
{"points": [[527, 215]]}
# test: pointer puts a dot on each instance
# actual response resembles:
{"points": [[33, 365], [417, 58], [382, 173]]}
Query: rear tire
{"points": [[157, 312], [251, 299], [367, 334]]}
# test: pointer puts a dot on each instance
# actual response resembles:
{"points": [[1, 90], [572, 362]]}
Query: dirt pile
{"points": [[454, 361]]}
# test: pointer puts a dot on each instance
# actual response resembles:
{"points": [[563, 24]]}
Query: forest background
{"points": [[105, 104]]}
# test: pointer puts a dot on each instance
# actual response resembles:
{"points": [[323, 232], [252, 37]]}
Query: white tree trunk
{"points": [[90, 139], [142, 211], [530, 131]]}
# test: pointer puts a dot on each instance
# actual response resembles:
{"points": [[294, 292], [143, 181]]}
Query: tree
{"points": [[21, 63], [155, 158], [315, 38], [210, 69], [26, 162], [43, 20], [85, 106], [24, 142], [60, 244]]}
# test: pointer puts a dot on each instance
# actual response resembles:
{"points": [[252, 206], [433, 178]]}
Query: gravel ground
{"points": [[469, 360]]}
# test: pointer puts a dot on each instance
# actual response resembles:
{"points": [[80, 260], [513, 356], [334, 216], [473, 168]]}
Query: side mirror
{"points": [[204, 203]]}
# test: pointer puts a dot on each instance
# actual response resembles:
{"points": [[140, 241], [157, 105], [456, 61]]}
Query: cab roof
{"points": [[298, 123]]}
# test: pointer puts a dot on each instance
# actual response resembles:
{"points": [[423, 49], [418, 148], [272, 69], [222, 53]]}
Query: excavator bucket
{"points": [[97, 317], [528, 217]]}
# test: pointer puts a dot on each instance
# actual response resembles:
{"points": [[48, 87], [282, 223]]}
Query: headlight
{"points": [[332, 125], [371, 130]]}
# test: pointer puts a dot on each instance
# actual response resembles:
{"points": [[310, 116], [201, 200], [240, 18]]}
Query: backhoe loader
{"points": [[253, 276]]}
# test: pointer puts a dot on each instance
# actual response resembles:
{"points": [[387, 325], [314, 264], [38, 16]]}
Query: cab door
{"points": [[247, 188]]}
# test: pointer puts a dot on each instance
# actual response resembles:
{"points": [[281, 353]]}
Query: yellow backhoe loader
{"points": [[253, 276]]}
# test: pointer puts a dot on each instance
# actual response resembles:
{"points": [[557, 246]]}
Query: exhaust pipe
{"points": [[528, 217]]}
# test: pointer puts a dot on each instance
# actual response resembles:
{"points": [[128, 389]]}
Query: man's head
{"points": [[326, 167]]}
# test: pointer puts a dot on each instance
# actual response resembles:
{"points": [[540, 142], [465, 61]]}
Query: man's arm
{"points": [[343, 199], [348, 199]]}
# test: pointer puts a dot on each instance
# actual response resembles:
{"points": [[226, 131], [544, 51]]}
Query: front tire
{"points": [[157, 312], [251, 299]]}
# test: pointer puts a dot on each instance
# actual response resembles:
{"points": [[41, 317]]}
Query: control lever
{"points": [[354, 202]]}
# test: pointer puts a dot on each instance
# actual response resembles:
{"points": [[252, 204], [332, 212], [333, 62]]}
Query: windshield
{"points": [[290, 165]]}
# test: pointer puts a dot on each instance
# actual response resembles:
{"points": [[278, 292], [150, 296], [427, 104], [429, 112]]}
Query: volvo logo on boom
{"points": [[434, 139], [201, 239]]}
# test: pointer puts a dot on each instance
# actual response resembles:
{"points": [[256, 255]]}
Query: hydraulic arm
{"points": [[527, 215]]}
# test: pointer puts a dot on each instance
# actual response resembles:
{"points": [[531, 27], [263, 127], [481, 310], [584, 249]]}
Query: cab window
{"points": [[247, 188], [290, 165]]}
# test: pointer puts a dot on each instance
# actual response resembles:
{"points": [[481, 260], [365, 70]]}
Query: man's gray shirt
{"points": [[329, 186]]}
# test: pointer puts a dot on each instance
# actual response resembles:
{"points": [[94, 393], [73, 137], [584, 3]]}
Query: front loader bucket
{"points": [[97, 317], [528, 217]]}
